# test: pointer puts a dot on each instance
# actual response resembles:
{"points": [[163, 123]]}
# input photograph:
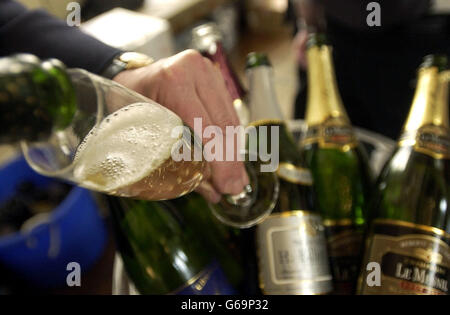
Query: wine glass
{"points": [[117, 142], [253, 204]]}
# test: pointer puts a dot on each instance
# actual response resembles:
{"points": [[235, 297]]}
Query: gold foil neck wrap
{"points": [[442, 110], [324, 101], [333, 133], [427, 127], [430, 103]]}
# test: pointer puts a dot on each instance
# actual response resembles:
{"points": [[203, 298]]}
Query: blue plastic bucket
{"points": [[72, 232]]}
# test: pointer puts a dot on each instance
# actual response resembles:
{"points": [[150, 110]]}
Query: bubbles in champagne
{"points": [[129, 154]]}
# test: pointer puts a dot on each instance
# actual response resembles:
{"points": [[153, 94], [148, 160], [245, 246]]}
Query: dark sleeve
{"points": [[38, 33]]}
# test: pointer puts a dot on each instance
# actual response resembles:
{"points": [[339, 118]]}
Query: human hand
{"points": [[191, 86]]}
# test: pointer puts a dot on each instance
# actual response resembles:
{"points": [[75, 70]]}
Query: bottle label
{"points": [[294, 174], [431, 140], [333, 133], [414, 259], [210, 281], [344, 249], [292, 254]]}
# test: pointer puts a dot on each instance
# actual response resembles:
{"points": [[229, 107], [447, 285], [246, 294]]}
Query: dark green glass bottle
{"points": [[342, 180], [223, 241], [161, 253], [409, 237], [36, 98], [291, 244]]}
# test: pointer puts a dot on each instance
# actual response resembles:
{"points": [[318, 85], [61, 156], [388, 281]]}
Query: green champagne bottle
{"points": [[161, 253], [36, 98], [291, 243], [342, 180], [409, 237], [222, 240]]}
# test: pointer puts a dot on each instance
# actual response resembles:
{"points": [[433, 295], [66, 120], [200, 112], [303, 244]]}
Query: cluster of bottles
{"points": [[331, 219]]}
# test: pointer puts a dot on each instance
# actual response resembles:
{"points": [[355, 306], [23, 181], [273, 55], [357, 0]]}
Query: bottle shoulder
{"points": [[414, 187]]}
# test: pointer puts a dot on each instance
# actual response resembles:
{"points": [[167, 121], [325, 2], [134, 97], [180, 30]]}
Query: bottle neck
{"points": [[324, 101], [430, 103], [215, 52], [263, 100], [265, 111], [427, 127], [35, 98]]}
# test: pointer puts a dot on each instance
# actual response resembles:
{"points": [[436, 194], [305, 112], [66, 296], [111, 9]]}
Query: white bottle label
{"points": [[293, 255]]}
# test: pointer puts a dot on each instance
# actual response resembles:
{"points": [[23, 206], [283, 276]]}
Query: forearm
{"points": [[38, 33]]}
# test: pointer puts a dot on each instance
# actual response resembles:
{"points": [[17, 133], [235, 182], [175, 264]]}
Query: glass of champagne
{"points": [[118, 142], [121, 143]]}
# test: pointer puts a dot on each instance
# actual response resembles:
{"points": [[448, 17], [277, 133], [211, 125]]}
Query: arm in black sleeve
{"points": [[38, 33]]}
